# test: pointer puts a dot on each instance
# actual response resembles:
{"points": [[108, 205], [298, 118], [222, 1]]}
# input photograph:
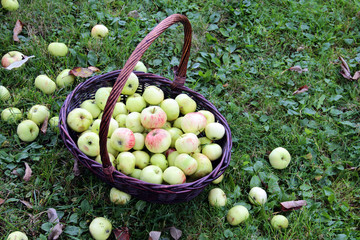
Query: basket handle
{"points": [[179, 79]]}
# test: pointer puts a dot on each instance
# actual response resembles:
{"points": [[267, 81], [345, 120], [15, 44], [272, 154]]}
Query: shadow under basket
{"points": [[155, 193]]}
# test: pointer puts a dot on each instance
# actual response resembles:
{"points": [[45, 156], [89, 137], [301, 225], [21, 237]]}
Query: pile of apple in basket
{"points": [[156, 140]]}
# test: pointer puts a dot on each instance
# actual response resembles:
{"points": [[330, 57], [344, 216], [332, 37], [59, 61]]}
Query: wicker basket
{"points": [[157, 193]]}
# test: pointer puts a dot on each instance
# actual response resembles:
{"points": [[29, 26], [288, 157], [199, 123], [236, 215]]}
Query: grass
{"points": [[238, 61]]}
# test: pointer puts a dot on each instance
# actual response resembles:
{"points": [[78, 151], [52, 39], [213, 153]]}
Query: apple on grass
{"points": [[122, 139], [152, 174], [131, 85], [92, 107], [279, 158], [65, 79], [186, 103], [158, 140], [133, 122], [79, 119], [38, 113], [174, 175], [88, 143], [153, 95], [159, 159], [218, 180], [4, 93], [214, 131], [119, 197], [100, 228], [257, 196], [217, 197], [99, 31], [193, 122], [17, 235], [11, 57], [153, 117], [126, 162], [213, 151], [187, 143], [54, 123], [45, 84], [11, 114], [27, 130], [10, 5], [237, 215], [140, 66], [279, 222], [58, 49], [186, 163], [142, 159]]}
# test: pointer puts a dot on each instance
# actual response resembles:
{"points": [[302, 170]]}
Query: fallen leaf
{"points": [[76, 169], [134, 14], [83, 72], [301, 89], [15, 173], [17, 30], [154, 235], [28, 172], [356, 75], [57, 229], [345, 70], [94, 69], [298, 69], [122, 233], [175, 233], [1, 201], [18, 64], [308, 156], [27, 204], [292, 205], [44, 125]]}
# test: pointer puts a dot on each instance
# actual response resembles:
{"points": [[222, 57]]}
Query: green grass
{"points": [[239, 55]]}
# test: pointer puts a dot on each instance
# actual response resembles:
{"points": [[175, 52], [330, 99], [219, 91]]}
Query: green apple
{"points": [[139, 141], [158, 140], [237, 215], [153, 95], [11, 114], [177, 122], [279, 158], [58, 49], [101, 96], [217, 197], [213, 151], [133, 122], [126, 162], [204, 166], [11, 57], [166, 126], [17, 235], [79, 119], [120, 108], [152, 174], [122, 139], [140, 66], [54, 123], [204, 141], [88, 143], [38, 113], [159, 159], [187, 143], [214, 131], [113, 124], [153, 117], [210, 118], [119, 197], [257, 196], [92, 107], [171, 157], [142, 159], [136, 173], [121, 119], [175, 134], [111, 158], [45, 84], [193, 122], [4, 93], [174, 175], [110, 149], [99, 31], [27, 130], [100, 228], [218, 180], [279, 222], [186, 163], [10, 5], [64, 79], [171, 108], [135, 103], [131, 85], [186, 103]]}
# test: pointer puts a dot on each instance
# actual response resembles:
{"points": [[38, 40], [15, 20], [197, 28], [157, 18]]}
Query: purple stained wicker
{"points": [[157, 193]]}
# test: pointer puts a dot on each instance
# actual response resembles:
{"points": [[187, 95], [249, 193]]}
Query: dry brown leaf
{"points": [[83, 72], [18, 64], [175, 233], [28, 172], [356, 75], [292, 205], [44, 125], [27, 204], [94, 69], [301, 89], [345, 70], [154, 235], [76, 169], [15, 173], [17, 30], [57, 229], [298, 69], [1, 201], [122, 233]]}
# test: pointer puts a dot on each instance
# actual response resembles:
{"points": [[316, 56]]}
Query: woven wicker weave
{"points": [[157, 193]]}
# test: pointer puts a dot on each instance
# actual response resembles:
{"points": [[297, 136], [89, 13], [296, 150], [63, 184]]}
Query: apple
{"points": [[158, 140], [139, 141], [187, 143], [113, 124], [133, 122], [171, 157], [159, 159], [4, 93], [100, 228], [186, 163], [279, 158], [10, 5], [153, 95], [237, 215], [27, 130], [99, 31], [210, 118], [186, 103], [175, 134], [17, 235], [121, 119], [11, 114], [193, 122], [122, 139], [119, 197], [38, 113], [153, 117], [11, 57], [257, 196], [213, 151], [168, 151], [136, 173], [110, 149], [140, 66], [204, 166], [171, 108], [79, 119], [214, 131], [54, 123], [45, 84], [177, 122], [279, 222], [64, 79], [126, 162], [174, 175], [166, 126], [135, 103], [58, 49], [131, 85], [218, 180], [151, 174], [101, 96], [142, 159], [204, 141], [88, 143], [217, 197], [111, 158], [92, 107], [120, 108]]}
